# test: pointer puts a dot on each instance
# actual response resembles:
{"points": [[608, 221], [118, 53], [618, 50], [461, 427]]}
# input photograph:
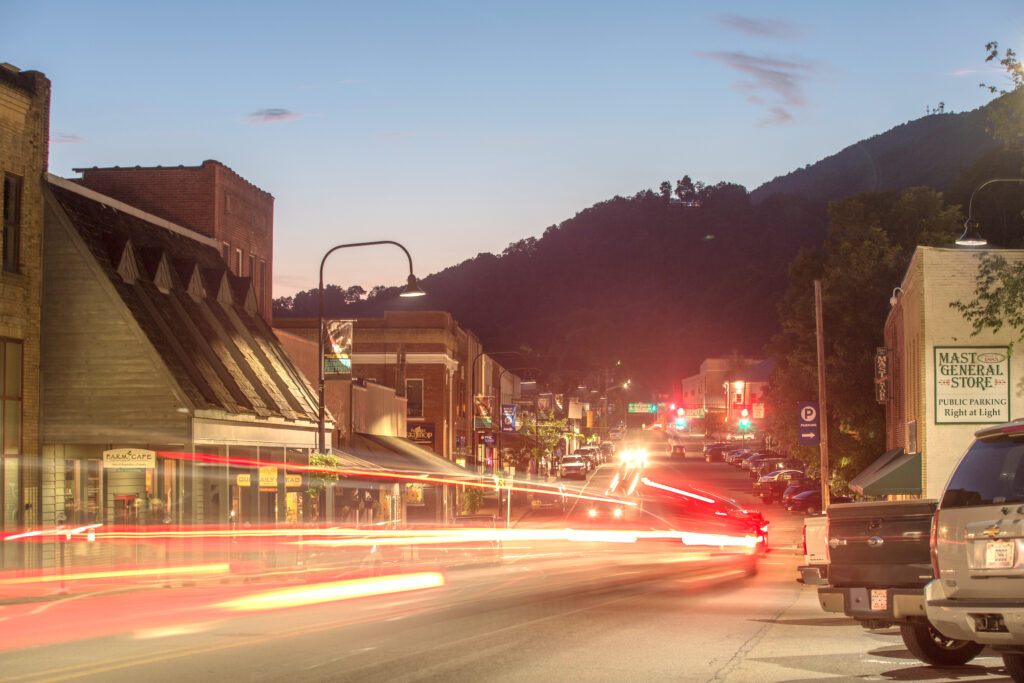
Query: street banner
{"points": [[508, 417], [338, 350]]}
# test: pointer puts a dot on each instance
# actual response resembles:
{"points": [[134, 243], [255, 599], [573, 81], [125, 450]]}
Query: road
{"points": [[592, 615]]}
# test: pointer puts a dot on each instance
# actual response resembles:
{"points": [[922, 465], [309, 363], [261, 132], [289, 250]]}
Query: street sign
{"points": [[809, 430], [643, 408]]}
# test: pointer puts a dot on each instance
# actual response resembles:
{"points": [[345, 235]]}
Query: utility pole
{"points": [[822, 404]]}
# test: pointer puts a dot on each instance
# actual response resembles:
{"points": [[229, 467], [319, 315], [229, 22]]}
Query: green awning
{"points": [[895, 473]]}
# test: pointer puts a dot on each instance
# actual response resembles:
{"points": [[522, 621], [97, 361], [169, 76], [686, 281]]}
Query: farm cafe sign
{"points": [[129, 459], [972, 384]]}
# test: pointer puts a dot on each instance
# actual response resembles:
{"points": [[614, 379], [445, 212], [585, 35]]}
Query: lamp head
{"points": [[412, 288], [971, 237]]}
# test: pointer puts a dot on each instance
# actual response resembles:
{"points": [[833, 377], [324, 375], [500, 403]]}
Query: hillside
{"points": [[661, 285], [929, 151]]}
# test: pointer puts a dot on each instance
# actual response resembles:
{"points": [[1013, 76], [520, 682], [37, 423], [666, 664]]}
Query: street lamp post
{"points": [[971, 237], [411, 289]]}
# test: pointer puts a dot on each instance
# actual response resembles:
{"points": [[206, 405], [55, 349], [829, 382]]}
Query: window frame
{"points": [[409, 382], [12, 226]]}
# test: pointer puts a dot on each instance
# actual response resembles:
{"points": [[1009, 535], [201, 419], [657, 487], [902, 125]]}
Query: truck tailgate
{"points": [[880, 543]]}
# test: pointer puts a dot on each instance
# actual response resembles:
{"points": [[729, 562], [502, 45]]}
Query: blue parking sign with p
{"points": [[808, 425]]}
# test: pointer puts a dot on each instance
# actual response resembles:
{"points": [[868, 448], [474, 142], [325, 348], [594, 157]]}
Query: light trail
{"points": [[336, 590]]}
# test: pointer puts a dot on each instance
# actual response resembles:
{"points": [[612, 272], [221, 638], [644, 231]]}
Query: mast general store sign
{"points": [[972, 384]]}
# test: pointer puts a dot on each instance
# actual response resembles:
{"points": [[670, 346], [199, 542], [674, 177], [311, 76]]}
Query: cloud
{"points": [[66, 139], [272, 115], [781, 80], [763, 28]]}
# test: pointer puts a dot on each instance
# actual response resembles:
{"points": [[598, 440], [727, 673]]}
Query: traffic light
{"points": [[744, 422]]}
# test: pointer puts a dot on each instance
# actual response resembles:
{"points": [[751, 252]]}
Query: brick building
{"points": [[211, 199], [935, 400], [24, 148], [425, 356]]}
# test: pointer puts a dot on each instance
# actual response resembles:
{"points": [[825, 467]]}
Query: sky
{"points": [[457, 128]]}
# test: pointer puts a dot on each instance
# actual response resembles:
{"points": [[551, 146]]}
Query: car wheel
{"points": [[811, 509], [931, 647], [1014, 664]]}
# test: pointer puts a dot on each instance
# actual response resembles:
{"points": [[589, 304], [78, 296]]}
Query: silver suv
{"points": [[978, 547]]}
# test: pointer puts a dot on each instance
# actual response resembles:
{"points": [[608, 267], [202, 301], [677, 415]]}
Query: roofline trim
{"points": [[72, 186]]}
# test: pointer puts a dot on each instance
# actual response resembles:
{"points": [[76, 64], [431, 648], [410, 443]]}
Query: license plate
{"points": [[879, 599], [999, 554]]}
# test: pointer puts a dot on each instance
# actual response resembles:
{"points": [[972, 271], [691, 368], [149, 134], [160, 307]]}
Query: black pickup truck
{"points": [[880, 561]]}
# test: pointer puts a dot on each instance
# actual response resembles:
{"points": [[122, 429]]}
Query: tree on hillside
{"points": [[999, 288], [868, 247], [666, 190], [1007, 115], [685, 190]]}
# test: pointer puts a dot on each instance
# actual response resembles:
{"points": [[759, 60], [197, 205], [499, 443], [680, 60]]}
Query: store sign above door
{"points": [[129, 459]]}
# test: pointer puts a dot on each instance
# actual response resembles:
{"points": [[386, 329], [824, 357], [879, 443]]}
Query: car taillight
{"points": [[932, 545]]}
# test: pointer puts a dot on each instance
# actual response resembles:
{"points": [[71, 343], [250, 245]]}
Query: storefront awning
{"points": [[401, 455], [895, 473]]}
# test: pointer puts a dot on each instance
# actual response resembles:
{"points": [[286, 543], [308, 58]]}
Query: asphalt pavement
{"points": [[550, 610]]}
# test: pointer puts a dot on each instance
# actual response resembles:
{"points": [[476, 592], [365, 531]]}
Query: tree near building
{"points": [[999, 288], [870, 242]]}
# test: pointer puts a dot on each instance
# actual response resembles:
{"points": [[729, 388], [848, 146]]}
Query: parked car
{"points": [[977, 540], [755, 458], [715, 454], [879, 564], [771, 486], [734, 456], [591, 454], [797, 485], [573, 466], [809, 502], [765, 466]]}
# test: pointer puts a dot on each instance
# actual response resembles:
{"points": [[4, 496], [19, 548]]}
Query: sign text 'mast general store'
{"points": [[972, 384]]}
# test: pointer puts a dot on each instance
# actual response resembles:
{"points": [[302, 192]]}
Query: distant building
{"points": [[211, 199], [724, 388], [423, 358], [24, 145]]}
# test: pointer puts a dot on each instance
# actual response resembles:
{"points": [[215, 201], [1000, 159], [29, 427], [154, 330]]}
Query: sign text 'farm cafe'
{"points": [[972, 384]]}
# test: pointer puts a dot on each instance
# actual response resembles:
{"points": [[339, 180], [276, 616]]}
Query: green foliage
{"points": [[999, 288], [319, 479], [1006, 114], [870, 242], [472, 500], [998, 296]]}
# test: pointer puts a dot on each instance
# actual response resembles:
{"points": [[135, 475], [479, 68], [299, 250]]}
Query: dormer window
{"points": [[162, 277], [128, 266]]}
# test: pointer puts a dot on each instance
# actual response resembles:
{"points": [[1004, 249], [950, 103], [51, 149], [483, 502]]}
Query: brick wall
{"points": [[212, 200], [936, 278], [24, 144]]}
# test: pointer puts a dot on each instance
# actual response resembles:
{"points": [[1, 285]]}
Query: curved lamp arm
{"points": [[412, 289], [971, 237]]}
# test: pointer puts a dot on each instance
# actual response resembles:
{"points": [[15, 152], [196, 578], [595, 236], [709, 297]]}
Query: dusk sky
{"points": [[460, 127]]}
